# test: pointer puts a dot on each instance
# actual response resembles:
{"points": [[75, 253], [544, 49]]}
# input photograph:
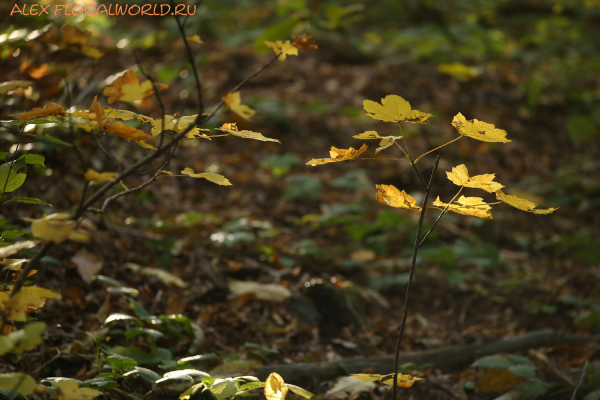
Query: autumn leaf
{"points": [[194, 39], [522, 204], [70, 390], [391, 196], [339, 155], [91, 52], [275, 388], [386, 141], [11, 249], [29, 298], [177, 124], [92, 175], [57, 228], [479, 130], [498, 380], [49, 109], [474, 206], [19, 382], [73, 36], [460, 176], [234, 102], [404, 381], [126, 115], [394, 109], [97, 110], [304, 42], [283, 48], [120, 129], [211, 176], [127, 88], [233, 130]]}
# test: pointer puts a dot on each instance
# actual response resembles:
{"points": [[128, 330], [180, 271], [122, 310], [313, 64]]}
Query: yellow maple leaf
{"points": [[460, 176], [479, 130], [91, 52], [70, 390], [275, 388], [120, 129], [391, 196], [97, 110], [177, 123], [233, 130], [404, 380], [49, 109], [211, 176], [234, 102], [283, 48], [304, 42], [394, 109], [127, 87], [338, 155], [28, 299], [126, 115], [56, 228], [474, 206], [522, 204], [386, 141], [194, 39], [92, 175]]}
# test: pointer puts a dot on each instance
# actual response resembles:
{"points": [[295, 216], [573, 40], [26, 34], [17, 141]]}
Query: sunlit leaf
{"points": [[11, 249], [194, 39], [120, 129], [29, 298], [460, 176], [70, 390], [522, 204], [127, 88], [211, 176], [24, 339], [224, 388], [57, 228], [479, 130], [404, 381], [12, 85], [474, 206], [233, 130], [391, 196], [49, 109], [283, 48], [234, 102], [394, 109], [339, 155], [92, 175], [386, 141], [275, 388], [22, 383]]}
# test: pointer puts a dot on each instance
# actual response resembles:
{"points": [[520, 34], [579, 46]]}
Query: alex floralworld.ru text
{"points": [[110, 9]]}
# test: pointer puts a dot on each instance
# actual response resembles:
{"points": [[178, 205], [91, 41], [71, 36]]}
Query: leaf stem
{"points": [[440, 217], [437, 148], [410, 279]]}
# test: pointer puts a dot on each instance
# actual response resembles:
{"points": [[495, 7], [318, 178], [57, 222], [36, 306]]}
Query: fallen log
{"points": [[444, 357]]}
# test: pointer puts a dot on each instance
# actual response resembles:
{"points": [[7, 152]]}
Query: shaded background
{"points": [[529, 67]]}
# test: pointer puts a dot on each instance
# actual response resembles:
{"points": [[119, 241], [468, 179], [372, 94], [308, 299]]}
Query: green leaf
{"points": [[30, 200], [123, 290], [51, 140], [148, 374], [192, 391], [10, 179], [519, 360], [13, 234], [534, 389], [493, 362], [224, 388], [523, 371], [121, 363], [3, 154], [22, 383], [100, 383], [183, 374], [34, 159], [299, 391], [121, 317], [138, 309], [593, 395], [252, 385], [199, 357], [24, 339], [107, 281]]}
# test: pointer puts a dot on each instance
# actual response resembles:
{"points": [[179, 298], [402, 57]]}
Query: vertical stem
{"points": [[410, 279]]}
